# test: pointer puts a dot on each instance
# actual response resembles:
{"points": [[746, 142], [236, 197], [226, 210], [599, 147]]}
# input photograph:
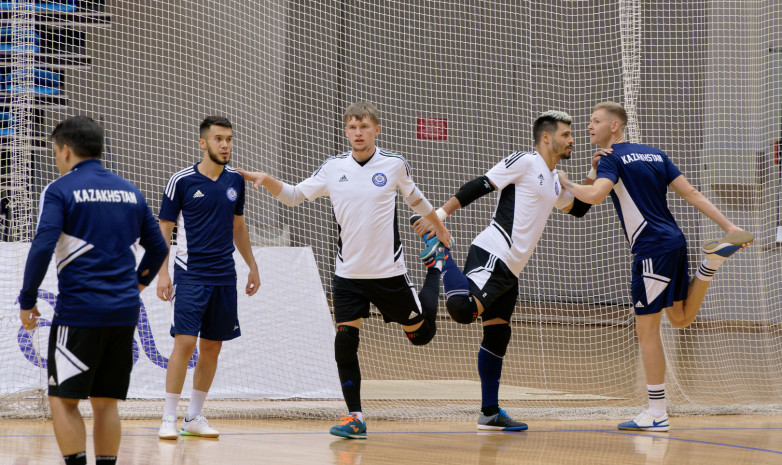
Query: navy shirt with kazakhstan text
{"points": [[641, 175], [91, 218], [203, 211]]}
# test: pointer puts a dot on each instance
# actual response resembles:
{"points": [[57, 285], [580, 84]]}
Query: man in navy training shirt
{"points": [[91, 219], [637, 177], [206, 204]]}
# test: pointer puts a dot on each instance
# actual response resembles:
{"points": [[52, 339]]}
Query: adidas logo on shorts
{"points": [[639, 305], [198, 194]]}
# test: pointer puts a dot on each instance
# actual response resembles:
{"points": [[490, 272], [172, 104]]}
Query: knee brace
{"points": [[346, 345], [496, 338], [462, 308], [422, 335]]}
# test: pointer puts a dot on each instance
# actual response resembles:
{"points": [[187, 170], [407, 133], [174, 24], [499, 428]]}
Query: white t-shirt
{"points": [[527, 192], [364, 202]]}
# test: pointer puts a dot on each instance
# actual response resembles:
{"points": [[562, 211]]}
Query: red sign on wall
{"points": [[432, 129]]}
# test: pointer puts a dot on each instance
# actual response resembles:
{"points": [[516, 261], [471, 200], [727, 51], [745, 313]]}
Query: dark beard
{"points": [[563, 155], [216, 158]]}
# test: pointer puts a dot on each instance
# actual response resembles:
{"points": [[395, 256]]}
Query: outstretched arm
{"points": [[592, 194], [468, 193], [693, 196], [285, 193]]}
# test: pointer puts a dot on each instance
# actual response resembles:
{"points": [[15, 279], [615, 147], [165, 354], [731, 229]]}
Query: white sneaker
{"points": [[646, 422], [168, 428], [198, 426]]}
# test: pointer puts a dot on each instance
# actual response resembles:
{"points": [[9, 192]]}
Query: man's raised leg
{"points": [[717, 251]]}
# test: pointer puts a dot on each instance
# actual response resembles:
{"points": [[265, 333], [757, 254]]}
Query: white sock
{"points": [[656, 399], [358, 415], [707, 269], [439, 265], [197, 399], [169, 407]]}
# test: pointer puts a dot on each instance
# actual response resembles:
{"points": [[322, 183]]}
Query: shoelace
{"points": [[348, 419]]}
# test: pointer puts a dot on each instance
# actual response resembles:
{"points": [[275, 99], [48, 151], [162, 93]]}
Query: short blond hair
{"points": [[613, 108], [361, 110]]}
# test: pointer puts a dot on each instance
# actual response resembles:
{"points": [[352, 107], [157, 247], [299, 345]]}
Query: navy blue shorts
{"points": [[659, 281], [206, 310]]}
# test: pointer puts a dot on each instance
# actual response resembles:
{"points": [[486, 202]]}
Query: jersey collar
{"points": [[93, 163], [365, 163], [195, 167]]}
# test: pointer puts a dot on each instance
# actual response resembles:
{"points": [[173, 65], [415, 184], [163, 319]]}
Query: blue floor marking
{"points": [[377, 433]]}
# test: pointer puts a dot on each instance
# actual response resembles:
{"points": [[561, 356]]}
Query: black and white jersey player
{"points": [[363, 195], [362, 185], [488, 287]]}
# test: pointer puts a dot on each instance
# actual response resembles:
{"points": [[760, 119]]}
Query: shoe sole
{"points": [[203, 435], [342, 434], [659, 429], [502, 428], [734, 238], [175, 436]]}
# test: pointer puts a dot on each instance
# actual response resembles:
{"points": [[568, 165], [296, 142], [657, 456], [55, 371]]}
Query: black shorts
{"points": [[394, 297], [90, 362], [492, 283]]}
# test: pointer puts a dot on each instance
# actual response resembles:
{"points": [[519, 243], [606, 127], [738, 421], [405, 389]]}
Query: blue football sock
{"points": [[454, 281], [490, 371]]}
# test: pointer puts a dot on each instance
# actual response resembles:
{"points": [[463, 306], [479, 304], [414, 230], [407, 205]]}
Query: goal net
{"points": [[458, 85]]}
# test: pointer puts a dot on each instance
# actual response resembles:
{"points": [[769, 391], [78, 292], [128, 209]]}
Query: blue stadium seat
{"points": [[27, 40], [64, 6], [43, 82]]}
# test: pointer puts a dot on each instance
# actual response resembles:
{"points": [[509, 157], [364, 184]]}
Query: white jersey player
{"points": [[528, 188], [362, 185]]}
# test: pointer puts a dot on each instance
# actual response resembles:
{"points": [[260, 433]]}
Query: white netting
{"points": [[458, 85]]}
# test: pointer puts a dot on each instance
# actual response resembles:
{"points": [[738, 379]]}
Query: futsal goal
{"points": [[458, 85]]}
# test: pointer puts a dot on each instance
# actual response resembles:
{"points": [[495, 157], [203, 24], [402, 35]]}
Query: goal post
{"points": [[458, 85]]}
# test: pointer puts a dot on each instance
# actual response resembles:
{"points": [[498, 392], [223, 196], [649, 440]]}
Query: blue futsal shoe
{"points": [[434, 250], [500, 422], [723, 248], [646, 422], [351, 428]]}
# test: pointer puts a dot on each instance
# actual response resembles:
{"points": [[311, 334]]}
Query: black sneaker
{"points": [[500, 422]]}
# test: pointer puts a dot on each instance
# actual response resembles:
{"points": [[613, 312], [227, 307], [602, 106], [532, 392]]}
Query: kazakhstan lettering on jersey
{"points": [[91, 218], [641, 175], [103, 195], [204, 211]]}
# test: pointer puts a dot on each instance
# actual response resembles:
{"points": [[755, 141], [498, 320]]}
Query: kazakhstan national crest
{"points": [[379, 179]]}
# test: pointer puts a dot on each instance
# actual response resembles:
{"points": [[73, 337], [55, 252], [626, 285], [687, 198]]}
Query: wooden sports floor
{"points": [[708, 440]]}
